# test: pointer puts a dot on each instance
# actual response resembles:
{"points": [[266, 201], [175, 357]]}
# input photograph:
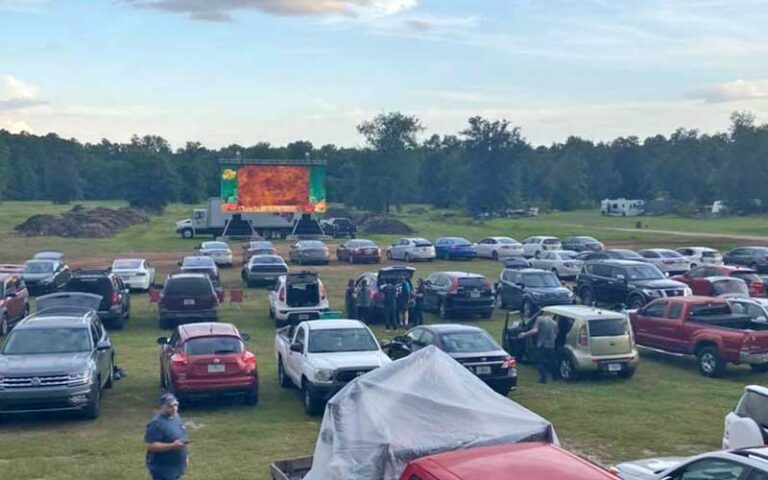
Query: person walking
{"points": [[404, 290], [417, 317], [349, 299], [363, 301], [390, 306], [545, 328], [167, 442]]}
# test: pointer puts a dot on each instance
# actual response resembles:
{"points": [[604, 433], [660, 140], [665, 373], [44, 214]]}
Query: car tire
{"points": [[252, 395], [407, 257], [282, 378], [442, 311], [111, 378], [693, 265], [567, 369], [4, 326], [586, 296], [187, 233], [627, 373], [527, 310], [759, 367], [311, 405], [635, 301], [93, 409], [495, 256], [710, 363]]}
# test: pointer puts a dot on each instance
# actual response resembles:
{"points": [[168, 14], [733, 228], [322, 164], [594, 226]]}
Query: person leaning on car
{"points": [[545, 329], [363, 301], [166, 439]]}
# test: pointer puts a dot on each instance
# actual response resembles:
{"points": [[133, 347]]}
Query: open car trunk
{"points": [[393, 274], [302, 290]]}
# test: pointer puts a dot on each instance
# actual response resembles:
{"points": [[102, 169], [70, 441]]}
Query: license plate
{"points": [[304, 317], [474, 295], [269, 278], [614, 367], [483, 370], [216, 368], [189, 301]]}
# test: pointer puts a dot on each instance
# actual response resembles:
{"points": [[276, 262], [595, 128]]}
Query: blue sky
{"points": [[243, 71]]}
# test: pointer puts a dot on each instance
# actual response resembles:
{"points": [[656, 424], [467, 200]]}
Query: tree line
{"points": [[488, 166]]}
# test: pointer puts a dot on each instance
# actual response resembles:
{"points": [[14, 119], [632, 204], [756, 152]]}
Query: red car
{"points": [[519, 461], [208, 359], [14, 301], [358, 250], [697, 278]]}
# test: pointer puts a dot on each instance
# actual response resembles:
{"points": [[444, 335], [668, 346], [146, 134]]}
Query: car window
{"points": [[755, 406], [710, 469], [647, 254], [755, 312], [758, 475], [341, 340], [608, 327], [188, 286], [643, 272], [600, 270], [174, 340], [415, 336], [700, 272], [427, 338], [655, 309], [540, 279], [675, 310], [467, 342], [213, 345], [300, 335]]}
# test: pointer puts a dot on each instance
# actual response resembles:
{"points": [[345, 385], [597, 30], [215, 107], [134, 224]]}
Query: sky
{"points": [[225, 72]]}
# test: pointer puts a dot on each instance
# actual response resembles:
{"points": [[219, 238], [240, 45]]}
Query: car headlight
{"points": [[324, 375], [80, 378], [569, 294], [651, 292]]}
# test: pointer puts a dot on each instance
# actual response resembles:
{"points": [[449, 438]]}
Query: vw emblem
{"points": [[216, 360], [35, 381]]}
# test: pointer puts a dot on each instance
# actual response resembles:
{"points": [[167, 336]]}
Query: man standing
{"points": [[363, 301], [390, 306], [545, 329], [418, 304], [349, 299], [166, 440]]}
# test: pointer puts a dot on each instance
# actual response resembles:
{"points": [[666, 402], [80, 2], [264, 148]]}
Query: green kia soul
{"points": [[589, 340]]}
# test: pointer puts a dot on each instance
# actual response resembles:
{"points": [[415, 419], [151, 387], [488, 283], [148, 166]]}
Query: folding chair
{"points": [[236, 297], [154, 295]]}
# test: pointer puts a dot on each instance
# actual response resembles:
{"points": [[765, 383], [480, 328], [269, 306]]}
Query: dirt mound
{"points": [[81, 222], [385, 225]]}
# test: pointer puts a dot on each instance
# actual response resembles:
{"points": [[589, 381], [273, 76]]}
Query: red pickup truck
{"points": [[704, 327], [14, 301]]}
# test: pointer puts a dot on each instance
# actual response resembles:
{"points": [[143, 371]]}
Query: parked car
{"points": [[14, 301], [499, 247], [704, 327], [376, 280], [200, 264], [186, 298], [454, 248], [359, 250], [458, 293], [58, 359], [534, 246], [755, 258], [746, 464], [218, 251], [49, 255], [589, 340], [339, 227], [471, 346], [562, 263], [582, 244], [297, 297], [514, 461], [701, 256], [728, 287], [306, 252], [45, 276], [756, 308], [11, 268], [136, 273], [668, 261], [208, 359], [697, 278], [263, 269], [529, 290], [516, 262], [259, 247], [747, 425], [411, 249], [617, 282], [115, 306], [320, 357]]}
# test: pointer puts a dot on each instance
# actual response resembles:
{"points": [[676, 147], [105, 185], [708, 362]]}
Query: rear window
{"points": [[608, 327], [198, 262], [551, 241], [754, 406], [361, 243], [213, 345], [342, 222], [126, 264], [314, 244], [710, 309], [188, 286], [670, 254], [267, 260], [710, 254], [38, 267], [539, 280], [747, 277], [97, 285], [422, 242], [479, 283], [467, 342], [730, 286], [215, 246]]}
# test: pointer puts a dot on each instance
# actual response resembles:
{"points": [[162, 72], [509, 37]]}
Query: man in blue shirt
{"points": [[166, 440]]}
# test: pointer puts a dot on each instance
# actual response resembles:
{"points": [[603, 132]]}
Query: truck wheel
{"points": [[93, 409], [311, 405], [285, 382], [759, 367], [710, 363], [187, 233], [636, 302], [567, 369]]}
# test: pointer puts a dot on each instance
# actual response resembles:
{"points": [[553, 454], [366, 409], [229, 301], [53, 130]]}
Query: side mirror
{"points": [[103, 345], [521, 286], [162, 340], [245, 337], [178, 263], [621, 278], [297, 347]]}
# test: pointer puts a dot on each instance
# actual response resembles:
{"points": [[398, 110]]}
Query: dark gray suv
{"points": [[58, 359], [755, 258]]}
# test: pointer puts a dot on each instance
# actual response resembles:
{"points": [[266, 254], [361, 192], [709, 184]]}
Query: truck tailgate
{"points": [[293, 469]]}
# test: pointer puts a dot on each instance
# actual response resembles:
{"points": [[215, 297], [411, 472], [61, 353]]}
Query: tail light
{"points": [[509, 362], [375, 295], [281, 295], [454, 288], [583, 341], [249, 360], [750, 343], [115, 298], [179, 360]]}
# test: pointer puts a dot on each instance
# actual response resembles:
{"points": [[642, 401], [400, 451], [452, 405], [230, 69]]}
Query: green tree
{"points": [[5, 166], [151, 182]]}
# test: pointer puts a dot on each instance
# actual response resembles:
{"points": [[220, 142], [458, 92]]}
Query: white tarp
{"points": [[422, 404]]}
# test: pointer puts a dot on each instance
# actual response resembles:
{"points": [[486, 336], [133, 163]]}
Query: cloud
{"points": [[222, 10], [425, 24], [732, 91], [24, 6], [15, 94]]}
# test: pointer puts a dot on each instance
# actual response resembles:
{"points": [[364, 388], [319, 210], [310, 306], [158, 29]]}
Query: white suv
{"points": [[297, 297], [701, 256], [408, 249], [534, 246]]}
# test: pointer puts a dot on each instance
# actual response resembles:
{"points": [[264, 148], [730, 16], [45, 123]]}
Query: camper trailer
{"points": [[621, 207]]}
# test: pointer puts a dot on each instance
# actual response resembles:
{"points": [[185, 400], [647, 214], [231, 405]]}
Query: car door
{"points": [[295, 359], [516, 287], [646, 321], [482, 247], [600, 276], [616, 286]]}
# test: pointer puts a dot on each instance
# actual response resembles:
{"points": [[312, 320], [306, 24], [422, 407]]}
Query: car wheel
{"points": [[527, 309], [586, 296], [567, 369], [635, 302], [111, 378], [407, 257], [759, 367], [495, 256], [285, 382], [4, 325], [311, 404], [693, 265], [710, 363], [442, 311], [252, 396], [93, 409]]}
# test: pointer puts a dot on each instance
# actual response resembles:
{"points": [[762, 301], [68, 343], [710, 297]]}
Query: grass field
{"points": [[666, 409]]}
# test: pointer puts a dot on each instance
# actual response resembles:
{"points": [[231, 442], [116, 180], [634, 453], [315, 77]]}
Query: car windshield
{"points": [[644, 272], [538, 280], [267, 260], [670, 254], [551, 241], [608, 327], [126, 264], [507, 241], [198, 262], [38, 267], [341, 340], [213, 345], [730, 286], [215, 246], [97, 285], [187, 286], [467, 342], [754, 406], [48, 341], [311, 244], [479, 283]]}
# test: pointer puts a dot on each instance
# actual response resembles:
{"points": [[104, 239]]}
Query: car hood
{"points": [[648, 468], [336, 360], [59, 363], [662, 283], [36, 277]]}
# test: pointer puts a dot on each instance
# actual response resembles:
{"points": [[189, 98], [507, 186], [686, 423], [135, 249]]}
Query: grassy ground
{"points": [[667, 408]]}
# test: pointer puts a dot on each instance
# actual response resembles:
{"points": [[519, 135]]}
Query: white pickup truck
{"points": [[747, 425], [321, 356]]}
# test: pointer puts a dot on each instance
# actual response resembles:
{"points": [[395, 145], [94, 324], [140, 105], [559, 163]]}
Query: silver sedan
{"points": [[560, 262]]}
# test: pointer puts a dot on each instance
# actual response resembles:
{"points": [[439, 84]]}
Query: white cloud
{"points": [[733, 91], [25, 6], [16, 94]]}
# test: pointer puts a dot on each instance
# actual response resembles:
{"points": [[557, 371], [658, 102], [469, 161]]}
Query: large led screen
{"points": [[273, 188]]}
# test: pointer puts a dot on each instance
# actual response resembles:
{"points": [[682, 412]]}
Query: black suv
{"points": [[616, 282], [187, 298], [339, 227], [530, 289], [115, 306], [452, 293]]}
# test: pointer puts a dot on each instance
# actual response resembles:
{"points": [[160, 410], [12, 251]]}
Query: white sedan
{"points": [[136, 273], [498, 248], [560, 262], [218, 251], [701, 256], [668, 261], [535, 246]]}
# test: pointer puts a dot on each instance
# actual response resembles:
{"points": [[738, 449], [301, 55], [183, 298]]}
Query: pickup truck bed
{"points": [[734, 321], [293, 469]]}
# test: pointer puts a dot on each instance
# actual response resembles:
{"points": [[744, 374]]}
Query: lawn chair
{"points": [[154, 295], [236, 297]]}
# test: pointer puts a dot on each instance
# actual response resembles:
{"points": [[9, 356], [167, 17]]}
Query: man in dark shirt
{"points": [[166, 440], [390, 306]]}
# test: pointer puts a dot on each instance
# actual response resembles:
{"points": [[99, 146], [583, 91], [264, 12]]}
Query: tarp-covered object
{"points": [[422, 404]]}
